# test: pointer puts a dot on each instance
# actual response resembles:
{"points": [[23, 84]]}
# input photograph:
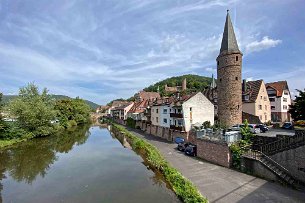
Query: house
{"points": [[120, 112], [180, 113], [160, 112], [280, 100], [189, 110], [102, 109], [138, 111], [115, 104], [255, 100], [150, 96]]}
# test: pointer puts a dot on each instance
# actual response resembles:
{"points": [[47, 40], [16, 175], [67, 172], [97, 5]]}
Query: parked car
{"points": [[191, 150], [253, 127], [287, 125], [182, 146], [263, 128]]}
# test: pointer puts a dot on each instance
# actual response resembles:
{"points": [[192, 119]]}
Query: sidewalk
{"points": [[220, 184]]}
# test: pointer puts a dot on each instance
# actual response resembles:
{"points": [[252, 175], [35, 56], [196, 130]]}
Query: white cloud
{"points": [[265, 43]]}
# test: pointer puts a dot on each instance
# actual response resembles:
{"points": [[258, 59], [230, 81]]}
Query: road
{"points": [[220, 184]]}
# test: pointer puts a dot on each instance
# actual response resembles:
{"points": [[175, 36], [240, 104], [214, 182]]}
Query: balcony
{"points": [[179, 128], [176, 115]]}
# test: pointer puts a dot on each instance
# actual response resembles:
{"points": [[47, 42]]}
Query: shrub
{"points": [[207, 124], [131, 123]]}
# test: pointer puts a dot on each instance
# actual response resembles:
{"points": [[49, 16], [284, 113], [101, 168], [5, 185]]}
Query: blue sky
{"points": [[106, 49]]}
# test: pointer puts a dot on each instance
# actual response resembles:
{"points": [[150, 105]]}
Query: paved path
{"points": [[220, 184]]}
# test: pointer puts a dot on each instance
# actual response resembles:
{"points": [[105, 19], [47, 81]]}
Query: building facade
{"points": [[280, 100], [256, 101], [229, 77]]}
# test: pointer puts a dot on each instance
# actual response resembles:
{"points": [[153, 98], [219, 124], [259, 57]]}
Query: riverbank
{"points": [[183, 188], [220, 184], [7, 143]]}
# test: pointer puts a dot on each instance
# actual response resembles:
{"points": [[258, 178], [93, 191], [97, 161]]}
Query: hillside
{"points": [[7, 98], [195, 83]]}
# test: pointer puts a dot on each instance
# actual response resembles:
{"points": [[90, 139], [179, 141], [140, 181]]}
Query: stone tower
{"points": [[229, 65], [184, 84]]}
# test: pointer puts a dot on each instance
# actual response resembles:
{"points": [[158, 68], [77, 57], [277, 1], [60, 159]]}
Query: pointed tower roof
{"points": [[213, 83], [229, 42]]}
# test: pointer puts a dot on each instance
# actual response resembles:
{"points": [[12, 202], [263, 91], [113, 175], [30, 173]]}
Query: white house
{"points": [[280, 100], [160, 112], [189, 110]]}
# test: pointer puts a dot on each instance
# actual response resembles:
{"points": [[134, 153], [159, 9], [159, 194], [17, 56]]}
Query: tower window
{"points": [[236, 58], [217, 62], [220, 79], [236, 78]]}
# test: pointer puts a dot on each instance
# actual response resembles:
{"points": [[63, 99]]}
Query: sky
{"points": [[106, 49]]}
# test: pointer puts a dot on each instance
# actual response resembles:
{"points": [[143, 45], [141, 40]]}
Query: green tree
{"points": [[246, 132], [297, 110], [72, 112], [33, 110]]}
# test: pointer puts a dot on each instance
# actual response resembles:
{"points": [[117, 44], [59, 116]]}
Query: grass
{"points": [[183, 188]]}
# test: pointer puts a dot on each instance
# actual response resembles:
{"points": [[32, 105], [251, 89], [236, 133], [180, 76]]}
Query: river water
{"points": [[84, 165]]}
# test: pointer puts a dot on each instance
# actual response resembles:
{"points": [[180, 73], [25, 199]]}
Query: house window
{"points": [[284, 99], [261, 97], [157, 110], [265, 98], [272, 99], [190, 109], [265, 117], [260, 117], [285, 107], [236, 58], [157, 119], [266, 107], [260, 107], [179, 123], [285, 93], [272, 107], [165, 111], [164, 120], [179, 110]]}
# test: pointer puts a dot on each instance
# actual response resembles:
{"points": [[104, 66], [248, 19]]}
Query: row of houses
{"points": [[175, 112], [261, 102]]}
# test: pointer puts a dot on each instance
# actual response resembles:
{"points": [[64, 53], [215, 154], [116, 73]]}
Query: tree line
{"points": [[35, 113]]}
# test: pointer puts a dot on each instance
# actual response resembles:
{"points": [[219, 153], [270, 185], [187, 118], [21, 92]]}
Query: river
{"points": [[88, 164]]}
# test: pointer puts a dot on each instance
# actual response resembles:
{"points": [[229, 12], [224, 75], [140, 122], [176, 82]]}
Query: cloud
{"points": [[265, 43]]}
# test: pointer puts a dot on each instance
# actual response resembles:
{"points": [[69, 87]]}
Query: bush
{"points": [[183, 188], [207, 124], [131, 123]]}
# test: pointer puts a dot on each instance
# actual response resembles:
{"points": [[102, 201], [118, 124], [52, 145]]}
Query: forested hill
{"points": [[194, 83], [7, 98]]}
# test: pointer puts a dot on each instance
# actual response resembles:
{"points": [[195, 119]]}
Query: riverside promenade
{"points": [[220, 184]]}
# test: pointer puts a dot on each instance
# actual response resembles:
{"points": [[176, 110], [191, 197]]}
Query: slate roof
{"points": [[279, 86], [253, 88], [229, 42]]}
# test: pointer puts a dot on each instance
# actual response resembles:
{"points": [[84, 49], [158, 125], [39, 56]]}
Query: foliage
{"points": [[297, 110], [33, 110], [183, 188], [72, 112], [207, 124], [8, 98], [195, 83], [131, 123], [241, 146]]}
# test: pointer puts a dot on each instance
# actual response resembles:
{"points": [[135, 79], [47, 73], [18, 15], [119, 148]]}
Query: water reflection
{"points": [[25, 161]]}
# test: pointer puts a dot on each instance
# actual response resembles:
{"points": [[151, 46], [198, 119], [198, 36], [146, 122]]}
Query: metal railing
{"points": [[283, 144]]}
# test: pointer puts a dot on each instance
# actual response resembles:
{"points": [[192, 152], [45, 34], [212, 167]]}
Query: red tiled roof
{"points": [[279, 86], [139, 107], [148, 95]]}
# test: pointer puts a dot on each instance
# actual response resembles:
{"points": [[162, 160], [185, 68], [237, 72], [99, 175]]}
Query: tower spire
{"points": [[229, 42]]}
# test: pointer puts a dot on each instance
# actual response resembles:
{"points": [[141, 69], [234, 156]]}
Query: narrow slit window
{"points": [[236, 78], [236, 58], [217, 62]]}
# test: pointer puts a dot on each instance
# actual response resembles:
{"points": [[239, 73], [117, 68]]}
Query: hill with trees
{"points": [[7, 98], [194, 83]]}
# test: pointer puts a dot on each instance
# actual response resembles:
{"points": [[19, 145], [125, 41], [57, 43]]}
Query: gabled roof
{"points": [[253, 88], [122, 107], [229, 42], [139, 107], [279, 86]]}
